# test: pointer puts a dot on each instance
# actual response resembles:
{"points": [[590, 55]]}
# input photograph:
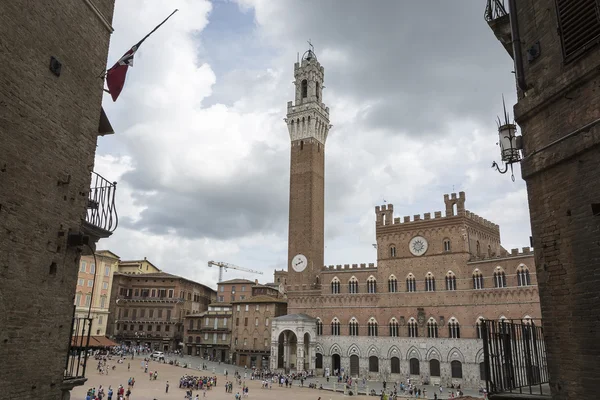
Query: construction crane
{"points": [[225, 266]]}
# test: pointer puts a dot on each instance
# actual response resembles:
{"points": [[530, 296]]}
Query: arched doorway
{"points": [[336, 364], [354, 365], [414, 366], [286, 350], [373, 364], [395, 365], [434, 368], [319, 361]]}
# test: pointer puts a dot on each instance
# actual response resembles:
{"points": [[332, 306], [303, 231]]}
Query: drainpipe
{"points": [[516, 44]]}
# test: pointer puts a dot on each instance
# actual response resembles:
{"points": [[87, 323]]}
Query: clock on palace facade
{"points": [[418, 246], [299, 262]]}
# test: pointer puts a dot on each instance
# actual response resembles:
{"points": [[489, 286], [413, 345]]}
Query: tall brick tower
{"points": [[308, 124]]}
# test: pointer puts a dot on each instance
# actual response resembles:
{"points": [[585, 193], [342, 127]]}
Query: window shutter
{"points": [[579, 26]]}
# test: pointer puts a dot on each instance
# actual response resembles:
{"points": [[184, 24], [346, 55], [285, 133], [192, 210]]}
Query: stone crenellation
{"points": [[524, 251], [455, 206], [341, 267]]}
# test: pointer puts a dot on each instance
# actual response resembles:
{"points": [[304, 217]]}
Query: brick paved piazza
{"points": [[148, 390]]}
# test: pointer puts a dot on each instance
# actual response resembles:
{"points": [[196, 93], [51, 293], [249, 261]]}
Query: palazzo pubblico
{"points": [[415, 313]]}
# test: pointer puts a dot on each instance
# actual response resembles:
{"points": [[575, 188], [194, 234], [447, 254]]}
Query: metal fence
{"points": [[79, 342], [514, 357], [101, 209]]}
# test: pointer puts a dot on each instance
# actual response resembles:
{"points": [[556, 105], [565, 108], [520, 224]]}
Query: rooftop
{"points": [[260, 299]]}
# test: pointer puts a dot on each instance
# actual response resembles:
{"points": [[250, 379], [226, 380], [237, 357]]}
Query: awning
{"points": [[95, 341]]}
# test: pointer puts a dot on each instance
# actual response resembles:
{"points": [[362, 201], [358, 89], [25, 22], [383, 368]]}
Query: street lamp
{"points": [[510, 144]]}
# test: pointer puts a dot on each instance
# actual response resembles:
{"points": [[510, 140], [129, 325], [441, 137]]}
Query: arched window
{"points": [[434, 368], [446, 245], [429, 282], [335, 327], [393, 251], [319, 361], [411, 283], [394, 327], [190, 339], [353, 327], [523, 278], [478, 249], [319, 327], [392, 284], [450, 281], [456, 367], [372, 327], [373, 364], [395, 364], [432, 328], [317, 90], [304, 88], [479, 327], [335, 286], [499, 278], [414, 366], [413, 330], [453, 329], [371, 285], [353, 285], [477, 279]]}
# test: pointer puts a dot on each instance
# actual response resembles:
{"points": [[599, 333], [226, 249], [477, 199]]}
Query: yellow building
{"points": [[93, 297], [137, 267]]}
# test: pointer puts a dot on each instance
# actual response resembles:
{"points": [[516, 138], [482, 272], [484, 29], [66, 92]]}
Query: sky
{"points": [[201, 152]]}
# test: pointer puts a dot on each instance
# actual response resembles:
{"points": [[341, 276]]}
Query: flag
{"points": [[115, 76]]}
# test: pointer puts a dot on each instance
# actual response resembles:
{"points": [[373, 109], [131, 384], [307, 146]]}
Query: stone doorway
{"points": [[354, 365]]}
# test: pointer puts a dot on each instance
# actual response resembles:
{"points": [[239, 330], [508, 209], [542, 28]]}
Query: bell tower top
{"points": [[307, 116]]}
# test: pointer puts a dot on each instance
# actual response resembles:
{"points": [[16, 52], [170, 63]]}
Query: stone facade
{"points": [[558, 111], [48, 134], [149, 309], [437, 275], [208, 334]]}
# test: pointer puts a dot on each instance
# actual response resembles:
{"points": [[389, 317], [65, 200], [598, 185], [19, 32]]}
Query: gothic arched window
{"points": [[429, 282], [477, 279], [453, 329], [411, 283], [413, 330], [446, 245], [450, 281], [499, 278], [335, 286], [371, 285], [335, 327], [392, 251], [319, 327], [353, 285], [353, 327], [432, 328], [394, 327], [304, 88], [523, 278], [392, 284], [317, 90], [372, 327]]}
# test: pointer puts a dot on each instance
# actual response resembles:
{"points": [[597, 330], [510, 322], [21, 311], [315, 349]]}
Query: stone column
{"points": [[313, 356], [300, 354], [286, 353], [274, 355]]}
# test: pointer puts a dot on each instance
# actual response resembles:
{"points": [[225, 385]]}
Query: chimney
{"points": [[256, 281]]}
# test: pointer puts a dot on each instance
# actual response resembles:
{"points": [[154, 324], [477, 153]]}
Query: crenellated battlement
{"points": [[524, 251], [482, 221], [455, 206], [353, 267]]}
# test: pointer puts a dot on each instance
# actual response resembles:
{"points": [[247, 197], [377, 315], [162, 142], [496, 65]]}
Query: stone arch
{"points": [[413, 352], [394, 351], [335, 349], [353, 349], [373, 351], [455, 354], [433, 354], [319, 348], [479, 356]]}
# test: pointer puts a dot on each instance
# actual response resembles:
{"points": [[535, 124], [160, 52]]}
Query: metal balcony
{"points": [[78, 348], [101, 218]]}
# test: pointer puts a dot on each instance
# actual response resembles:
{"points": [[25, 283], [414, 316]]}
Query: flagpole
{"points": [[103, 74]]}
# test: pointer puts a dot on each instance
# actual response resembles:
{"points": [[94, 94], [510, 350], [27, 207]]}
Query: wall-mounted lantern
{"points": [[510, 144]]}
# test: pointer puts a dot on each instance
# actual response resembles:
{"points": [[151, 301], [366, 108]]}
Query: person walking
{"points": [[167, 387]]}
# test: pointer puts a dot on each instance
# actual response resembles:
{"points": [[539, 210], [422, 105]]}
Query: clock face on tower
{"points": [[299, 262], [418, 246]]}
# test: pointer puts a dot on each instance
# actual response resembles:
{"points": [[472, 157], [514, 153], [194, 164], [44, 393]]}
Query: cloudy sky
{"points": [[201, 151]]}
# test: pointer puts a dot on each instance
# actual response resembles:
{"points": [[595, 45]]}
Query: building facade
{"points": [[50, 117], [149, 309], [137, 267], [94, 284], [234, 289], [252, 323], [208, 334], [416, 312], [556, 58]]}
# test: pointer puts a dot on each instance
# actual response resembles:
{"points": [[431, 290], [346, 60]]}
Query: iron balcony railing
{"points": [[79, 342], [101, 209], [514, 357]]}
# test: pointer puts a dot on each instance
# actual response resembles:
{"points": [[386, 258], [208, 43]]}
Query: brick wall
{"points": [[562, 183], [48, 128]]}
